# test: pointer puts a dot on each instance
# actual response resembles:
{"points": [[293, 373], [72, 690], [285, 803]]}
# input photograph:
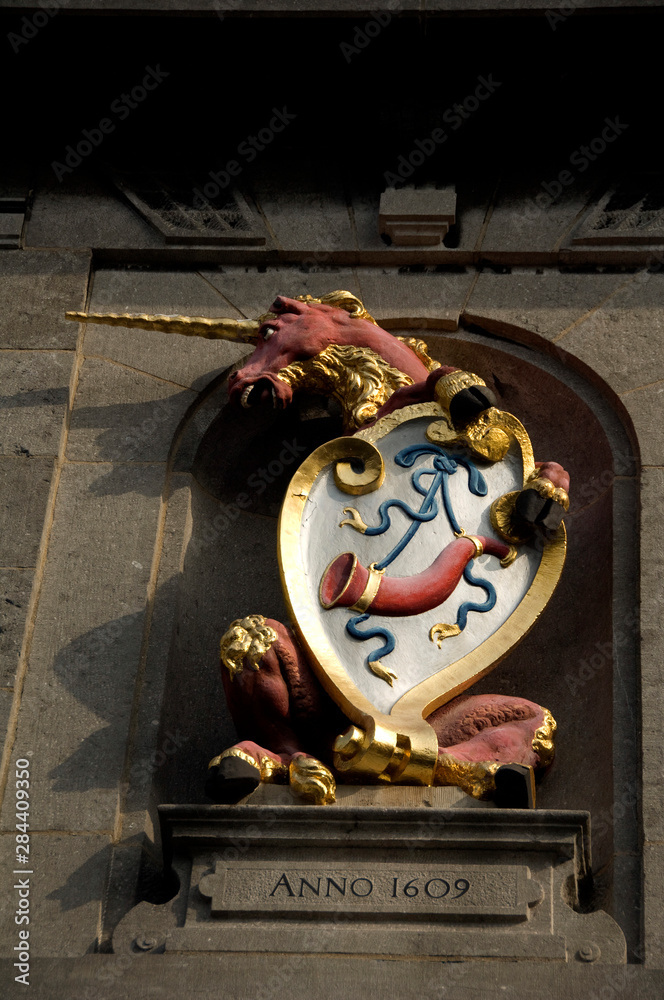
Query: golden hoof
{"points": [[476, 778], [312, 781]]}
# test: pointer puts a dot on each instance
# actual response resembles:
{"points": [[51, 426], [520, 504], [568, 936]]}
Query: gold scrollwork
{"points": [[383, 754], [510, 557], [485, 439], [372, 475], [247, 638], [438, 633], [487, 436], [377, 668], [504, 520]]}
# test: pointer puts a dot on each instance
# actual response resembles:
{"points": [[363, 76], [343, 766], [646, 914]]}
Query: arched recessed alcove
{"points": [[579, 660]]}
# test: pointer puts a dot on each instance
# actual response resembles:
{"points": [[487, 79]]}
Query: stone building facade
{"points": [[198, 158]]}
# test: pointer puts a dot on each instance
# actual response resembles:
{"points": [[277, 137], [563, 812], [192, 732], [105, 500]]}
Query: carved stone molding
{"points": [[458, 883]]}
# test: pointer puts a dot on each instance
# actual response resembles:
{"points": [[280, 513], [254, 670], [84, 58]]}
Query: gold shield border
{"points": [[401, 746]]}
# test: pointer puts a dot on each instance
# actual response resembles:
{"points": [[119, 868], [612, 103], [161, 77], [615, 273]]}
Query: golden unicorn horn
{"points": [[245, 331]]}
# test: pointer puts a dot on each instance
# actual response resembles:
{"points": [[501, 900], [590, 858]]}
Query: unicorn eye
{"points": [[268, 331]]}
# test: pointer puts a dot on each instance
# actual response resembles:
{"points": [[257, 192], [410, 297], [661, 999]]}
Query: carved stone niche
{"points": [[229, 569], [396, 880]]}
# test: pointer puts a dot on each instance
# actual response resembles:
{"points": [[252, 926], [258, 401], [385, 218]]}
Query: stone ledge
{"points": [[562, 830], [435, 883]]}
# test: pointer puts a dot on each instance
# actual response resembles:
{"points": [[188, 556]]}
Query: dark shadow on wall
{"points": [[99, 669], [83, 885]]}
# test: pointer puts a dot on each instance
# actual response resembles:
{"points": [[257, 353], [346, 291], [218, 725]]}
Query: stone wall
{"points": [[123, 554]]}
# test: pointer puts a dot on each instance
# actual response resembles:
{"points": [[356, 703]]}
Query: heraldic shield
{"points": [[407, 577]]}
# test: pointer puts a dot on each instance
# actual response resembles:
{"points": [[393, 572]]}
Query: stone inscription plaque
{"points": [[402, 890]]}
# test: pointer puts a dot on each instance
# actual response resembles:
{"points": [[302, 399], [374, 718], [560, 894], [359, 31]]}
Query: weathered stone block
{"points": [[460, 245], [186, 361], [626, 874], [217, 585], [24, 490], [34, 399], [65, 890], [15, 589], [6, 699], [36, 287], [123, 415], [646, 408], [152, 746], [416, 216], [326, 977], [86, 645], [432, 300], [11, 226], [653, 892], [252, 293], [306, 209], [626, 687], [526, 224], [546, 304], [83, 211], [652, 650], [621, 340]]}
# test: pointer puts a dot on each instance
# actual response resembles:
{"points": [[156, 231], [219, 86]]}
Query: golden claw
{"points": [[312, 781]]}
